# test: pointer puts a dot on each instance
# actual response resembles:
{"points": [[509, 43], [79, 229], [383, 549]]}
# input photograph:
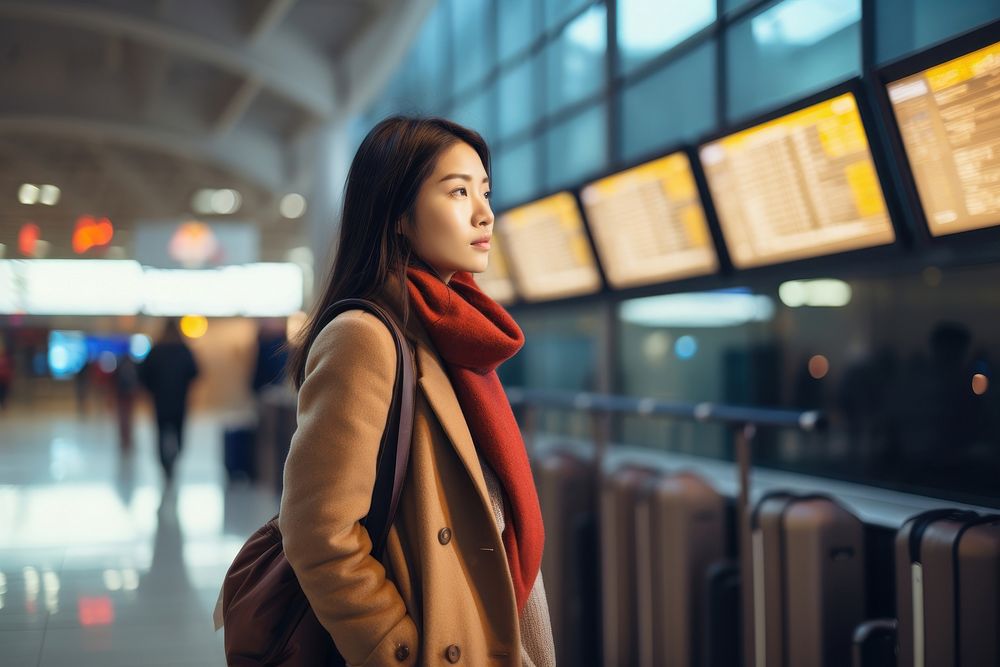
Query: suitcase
{"points": [[874, 644], [620, 491], [722, 615], [948, 589], [239, 453], [567, 492], [680, 531], [807, 558]]}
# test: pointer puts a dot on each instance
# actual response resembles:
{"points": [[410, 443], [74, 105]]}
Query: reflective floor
{"points": [[100, 564]]}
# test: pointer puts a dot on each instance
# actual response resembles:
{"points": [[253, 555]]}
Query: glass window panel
{"points": [[560, 10], [575, 60], [790, 50], [518, 27], [518, 107], [472, 45], [910, 392], [675, 104], [576, 148], [649, 27], [903, 26], [560, 352], [733, 5], [515, 175], [428, 69], [474, 111]]}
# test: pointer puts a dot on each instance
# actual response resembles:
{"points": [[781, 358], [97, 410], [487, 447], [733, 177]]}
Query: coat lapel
{"points": [[436, 385]]}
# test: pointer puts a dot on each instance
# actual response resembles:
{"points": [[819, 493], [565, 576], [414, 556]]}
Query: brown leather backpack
{"points": [[267, 618]]}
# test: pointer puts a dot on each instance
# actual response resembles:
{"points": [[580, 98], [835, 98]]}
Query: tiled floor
{"points": [[100, 565]]}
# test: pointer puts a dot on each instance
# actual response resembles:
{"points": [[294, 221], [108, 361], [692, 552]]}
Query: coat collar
{"points": [[433, 380]]}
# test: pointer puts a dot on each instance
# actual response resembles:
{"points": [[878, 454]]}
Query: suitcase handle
{"points": [[867, 631]]}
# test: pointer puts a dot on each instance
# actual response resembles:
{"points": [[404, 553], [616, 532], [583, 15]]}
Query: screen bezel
{"points": [[910, 65], [722, 259], [520, 298], [855, 87]]}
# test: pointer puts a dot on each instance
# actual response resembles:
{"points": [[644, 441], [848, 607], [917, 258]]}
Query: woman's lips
{"points": [[484, 245]]}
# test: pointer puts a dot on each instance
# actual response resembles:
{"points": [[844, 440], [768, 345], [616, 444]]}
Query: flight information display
{"points": [[495, 281], [546, 243], [799, 186], [648, 223], [949, 118]]}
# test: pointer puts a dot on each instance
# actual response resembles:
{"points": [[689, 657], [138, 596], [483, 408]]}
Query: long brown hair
{"points": [[393, 161]]}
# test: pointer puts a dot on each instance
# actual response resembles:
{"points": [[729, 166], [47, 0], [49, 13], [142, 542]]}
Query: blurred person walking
{"points": [[6, 374], [125, 382], [167, 373]]}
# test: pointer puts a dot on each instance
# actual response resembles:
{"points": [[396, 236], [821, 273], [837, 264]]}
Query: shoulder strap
{"points": [[394, 449]]}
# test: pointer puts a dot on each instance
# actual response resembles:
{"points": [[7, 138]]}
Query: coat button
{"points": [[402, 652], [444, 536], [453, 653]]}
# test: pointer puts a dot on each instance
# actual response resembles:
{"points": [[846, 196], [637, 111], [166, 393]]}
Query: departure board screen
{"points": [[949, 118], [495, 281], [550, 257], [648, 223], [799, 186]]}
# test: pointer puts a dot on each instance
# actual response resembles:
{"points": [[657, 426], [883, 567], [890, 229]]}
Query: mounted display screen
{"points": [[800, 186], [949, 119], [546, 243], [649, 225]]}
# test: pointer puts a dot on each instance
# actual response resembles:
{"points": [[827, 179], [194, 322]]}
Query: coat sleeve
{"points": [[329, 474]]}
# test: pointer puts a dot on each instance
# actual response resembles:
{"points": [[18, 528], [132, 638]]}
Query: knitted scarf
{"points": [[473, 334]]}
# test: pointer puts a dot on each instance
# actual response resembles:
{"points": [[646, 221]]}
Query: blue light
{"points": [[139, 346], [686, 347], [67, 353]]}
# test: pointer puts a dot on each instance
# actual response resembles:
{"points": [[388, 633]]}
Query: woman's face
{"points": [[452, 220]]}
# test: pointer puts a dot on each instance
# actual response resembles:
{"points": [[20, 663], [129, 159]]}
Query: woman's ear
{"points": [[404, 227]]}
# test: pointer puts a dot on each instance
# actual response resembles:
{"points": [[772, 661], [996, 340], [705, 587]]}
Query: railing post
{"points": [[744, 441]]}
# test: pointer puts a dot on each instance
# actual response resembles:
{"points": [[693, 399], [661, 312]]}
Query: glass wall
{"points": [[537, 71], [566, 89], [903, 369], [789, 50]]}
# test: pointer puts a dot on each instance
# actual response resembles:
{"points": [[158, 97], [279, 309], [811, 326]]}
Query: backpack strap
{"points": [[394, 449]]}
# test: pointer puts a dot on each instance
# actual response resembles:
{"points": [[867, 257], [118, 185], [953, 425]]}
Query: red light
{"points": [[95, 611], [27, 238], [91, 233]]}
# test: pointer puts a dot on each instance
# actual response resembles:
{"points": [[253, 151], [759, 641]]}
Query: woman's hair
{"points": [[391, 164]]}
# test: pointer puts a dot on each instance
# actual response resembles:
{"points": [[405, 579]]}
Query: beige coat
{"points": [[445, 594]]}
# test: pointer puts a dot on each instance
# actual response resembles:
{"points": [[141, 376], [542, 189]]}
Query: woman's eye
{"points": [[487, 194], [461, 190]]}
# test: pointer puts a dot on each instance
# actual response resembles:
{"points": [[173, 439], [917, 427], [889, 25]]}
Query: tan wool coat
{"points": [[445, 594]]}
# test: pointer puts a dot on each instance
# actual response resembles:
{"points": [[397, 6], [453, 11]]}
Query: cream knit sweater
{"points": [[537, 646]]}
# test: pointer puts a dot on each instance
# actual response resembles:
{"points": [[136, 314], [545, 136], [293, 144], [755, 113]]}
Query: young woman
{"points": [[459, 581]]}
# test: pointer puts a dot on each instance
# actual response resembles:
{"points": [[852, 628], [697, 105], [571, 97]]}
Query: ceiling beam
{"points": [[283, 64], [268, 17], [251, 155], [236, 105]]}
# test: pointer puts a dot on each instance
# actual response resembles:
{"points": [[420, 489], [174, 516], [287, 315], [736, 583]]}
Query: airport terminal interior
{"points": [[753, 246]]}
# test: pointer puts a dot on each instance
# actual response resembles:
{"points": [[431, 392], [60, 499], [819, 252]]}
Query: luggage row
{"points": [[650, 567]]}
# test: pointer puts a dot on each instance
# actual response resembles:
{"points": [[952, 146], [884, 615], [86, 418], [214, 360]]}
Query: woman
{"points": [[459, 581]]}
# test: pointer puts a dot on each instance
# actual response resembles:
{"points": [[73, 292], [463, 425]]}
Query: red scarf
{"points": [[473, 334]]}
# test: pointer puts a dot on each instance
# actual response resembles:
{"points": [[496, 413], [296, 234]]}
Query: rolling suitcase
{"points": [[948, 589], [239, 452], [566, 490], [620, 490], [807, 558], [680, 532]]}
